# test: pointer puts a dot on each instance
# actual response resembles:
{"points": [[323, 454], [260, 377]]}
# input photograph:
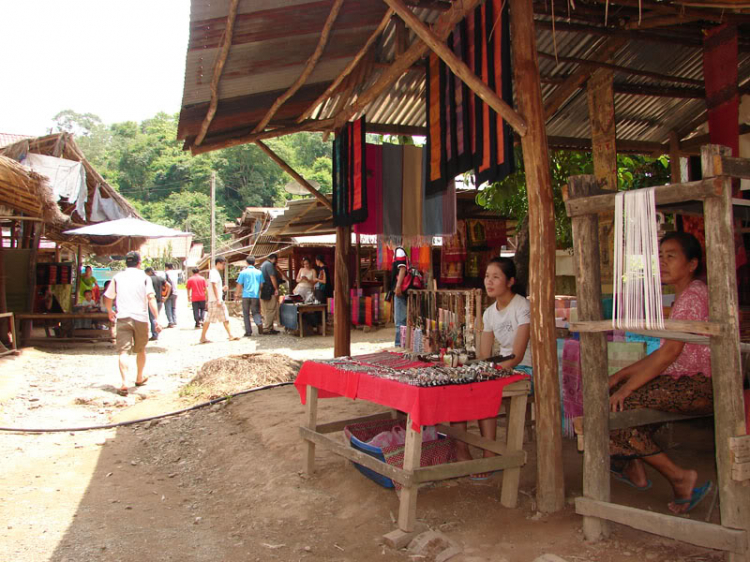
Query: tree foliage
{"points": [[509, 197], [147, 164]]}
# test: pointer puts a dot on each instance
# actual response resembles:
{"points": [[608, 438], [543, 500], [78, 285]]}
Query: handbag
{"points": [[413, 278]]}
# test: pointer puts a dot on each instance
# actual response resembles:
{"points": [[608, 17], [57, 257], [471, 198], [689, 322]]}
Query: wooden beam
{"points": [[579, 77], [349, 67], [623, 145], [308, 68], [550, 482], [442, 28], [678, 528], [623, 69], [341, 314], [593, 357], [723, 306], [299, 179], [671, 326], [221, 59], [675, 169], [625, 34], [661, 21], [716, 16], [665, 195], [313, 125], [458, 67]]}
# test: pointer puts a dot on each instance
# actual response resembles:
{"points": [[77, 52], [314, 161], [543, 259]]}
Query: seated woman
{"points": [[675, 378], [323, 287], [507, 322], [305, 279], [88, 282]]}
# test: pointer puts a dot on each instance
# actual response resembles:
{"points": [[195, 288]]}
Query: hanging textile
{"points": [[349, 173], [374, 179], [393, 174], [463, 131], [412, 192]]}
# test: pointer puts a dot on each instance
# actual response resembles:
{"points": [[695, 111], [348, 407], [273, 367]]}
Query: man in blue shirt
{"points": [[248, 284]]}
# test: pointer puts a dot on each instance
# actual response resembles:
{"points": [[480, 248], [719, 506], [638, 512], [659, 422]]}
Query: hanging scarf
{"points": [[349, 173]]}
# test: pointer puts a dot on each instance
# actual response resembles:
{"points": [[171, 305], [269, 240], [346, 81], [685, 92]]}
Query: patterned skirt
{"points": [[217, 312], [688, 395]]}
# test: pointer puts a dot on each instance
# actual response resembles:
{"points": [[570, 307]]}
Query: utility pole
{"points": [[213, 219]]}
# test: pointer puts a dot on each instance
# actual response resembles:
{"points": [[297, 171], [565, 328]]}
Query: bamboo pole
{"points": [[550, 483], [221, 59], [442, 28], [458, 67], [349, 67], [307, 70], [289, 170]]}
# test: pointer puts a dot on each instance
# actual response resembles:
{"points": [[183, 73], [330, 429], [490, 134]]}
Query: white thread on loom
{"points": [[637, 276]]}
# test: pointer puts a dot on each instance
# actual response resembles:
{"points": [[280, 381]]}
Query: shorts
{"points": [[131, 335], [217, 312]]}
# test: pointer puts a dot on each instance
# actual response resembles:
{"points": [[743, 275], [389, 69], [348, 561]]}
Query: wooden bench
{"points": [[67, 331]]}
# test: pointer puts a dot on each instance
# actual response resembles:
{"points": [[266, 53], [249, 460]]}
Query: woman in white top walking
{"points": [[507, 322]]}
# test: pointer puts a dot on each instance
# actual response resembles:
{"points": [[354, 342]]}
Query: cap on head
{"points": [[132, 259]]}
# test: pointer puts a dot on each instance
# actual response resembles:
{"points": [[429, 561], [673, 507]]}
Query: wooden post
{"points": [[358, 259], [342, 317], [36, 228], [550, 489], [675, 167], [407, 512], [601, 100], [311, 422], [593, 358], [729, 415], [4, 322], [514, 442]]}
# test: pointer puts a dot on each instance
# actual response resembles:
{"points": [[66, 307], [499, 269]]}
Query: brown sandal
{"points": [[144, 381]]}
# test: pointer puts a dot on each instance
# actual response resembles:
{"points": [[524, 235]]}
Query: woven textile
{"points": [[349, 173], [463, 131]]}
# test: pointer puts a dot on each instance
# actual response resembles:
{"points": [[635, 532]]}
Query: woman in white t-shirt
{"points": [[507, 322]]}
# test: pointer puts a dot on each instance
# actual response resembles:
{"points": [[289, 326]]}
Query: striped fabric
{"points": [[349, 173]]}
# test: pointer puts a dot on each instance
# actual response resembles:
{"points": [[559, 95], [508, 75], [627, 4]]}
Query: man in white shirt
{"points": [[216, 310], [134, 293]]}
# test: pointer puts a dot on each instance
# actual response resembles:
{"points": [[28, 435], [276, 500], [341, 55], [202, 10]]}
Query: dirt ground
{"points": [[223, 483]]}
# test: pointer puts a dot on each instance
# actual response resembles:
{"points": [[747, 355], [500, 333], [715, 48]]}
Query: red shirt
{"points": [[197, 287]]}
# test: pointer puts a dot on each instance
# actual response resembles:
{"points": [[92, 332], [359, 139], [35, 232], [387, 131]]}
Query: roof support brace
{"points": [[289, 170], [221, 59], [458, 67], [309, 66]]}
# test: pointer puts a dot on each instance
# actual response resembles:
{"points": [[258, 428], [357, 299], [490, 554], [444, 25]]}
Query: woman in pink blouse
{"points": [[675, 378]]}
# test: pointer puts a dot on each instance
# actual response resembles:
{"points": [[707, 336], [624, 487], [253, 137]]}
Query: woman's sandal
{"points": [[234, 338], [122, 391], [695, 498], [621, 477], [144, 381]]}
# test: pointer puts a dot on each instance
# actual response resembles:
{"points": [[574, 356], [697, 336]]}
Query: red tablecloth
{"points": [[427, 405]]}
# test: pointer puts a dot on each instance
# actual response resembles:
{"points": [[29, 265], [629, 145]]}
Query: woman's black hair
{"points": [[320, 258], [691, 248], [508, 267], [306, 259]]}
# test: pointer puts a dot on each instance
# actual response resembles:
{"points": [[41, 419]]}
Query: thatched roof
{"points": [[20, 188], [63, 216]]}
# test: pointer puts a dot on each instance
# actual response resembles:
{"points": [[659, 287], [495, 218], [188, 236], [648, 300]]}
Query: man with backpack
{"points": [[398, 274], [158, 283]]}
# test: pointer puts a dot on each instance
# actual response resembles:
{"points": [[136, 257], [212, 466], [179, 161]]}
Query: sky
{"points": [[120, 60]]}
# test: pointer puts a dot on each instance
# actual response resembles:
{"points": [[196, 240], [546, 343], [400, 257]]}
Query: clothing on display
{"points": [[349, 173]]}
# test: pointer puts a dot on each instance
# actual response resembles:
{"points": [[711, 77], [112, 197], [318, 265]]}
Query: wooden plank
{"points": [[348, 69], [740, 447], [673, 327], [341, 314], [353, 455], [332, 427], [541, 218], [741, 472], [679, 528], [508, 462], [729, 417], [221, 59], [399, 539], [644, 416], [514, 443], [311, 418], [407, 510], [593, 358], [665, 195], [459, 68], [292, 172], [441, 28], [550, 493], [472, 439], [735, 167]]}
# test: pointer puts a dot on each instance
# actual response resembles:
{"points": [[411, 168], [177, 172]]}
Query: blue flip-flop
{"points": [[696, 497], [621, 477]]}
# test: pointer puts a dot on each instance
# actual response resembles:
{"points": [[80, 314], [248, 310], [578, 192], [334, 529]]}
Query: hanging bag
{"points": [[413, 278]]}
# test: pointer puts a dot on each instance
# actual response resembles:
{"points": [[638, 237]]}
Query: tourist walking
{"points": [[170, 303], [269, 293], [248, 288], [158, 283], [133, 293], [217, 309], [196, 289]]}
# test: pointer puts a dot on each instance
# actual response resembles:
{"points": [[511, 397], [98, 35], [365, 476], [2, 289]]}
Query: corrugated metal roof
{"points": [[273, 39]]}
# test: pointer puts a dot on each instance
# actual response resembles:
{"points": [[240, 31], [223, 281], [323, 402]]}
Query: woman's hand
{"points": [[617, 400]]}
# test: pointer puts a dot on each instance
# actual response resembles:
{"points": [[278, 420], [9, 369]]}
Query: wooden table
{"points": [[511, 456], [69, 333], [307, 309]]}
